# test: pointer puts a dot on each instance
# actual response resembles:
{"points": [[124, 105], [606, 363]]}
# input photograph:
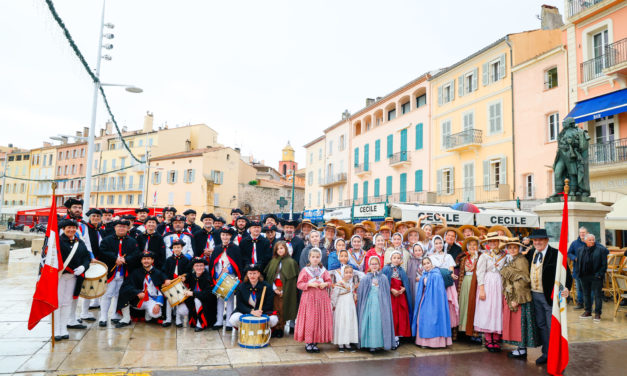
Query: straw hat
{"points": [[384, 227], [389, 220], [359, 225], [411, 223], [511, 241], [474, 229], [337, 222], [399, 224], [306, 222], [468, 240], [348, 231], [443, 232], [494, 236], [501, 228], [421, 234], [370, 226]]}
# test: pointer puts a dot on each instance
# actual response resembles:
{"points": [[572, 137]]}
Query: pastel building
{"points": [[315, 154], [16, 190], [43, 162], [336, 163], [472, 120], [390, 149], [71, 162]]}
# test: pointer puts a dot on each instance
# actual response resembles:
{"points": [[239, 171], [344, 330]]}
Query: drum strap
{"points": [[69, 258]]}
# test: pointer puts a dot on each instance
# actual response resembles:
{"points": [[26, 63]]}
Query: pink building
{"points": [[71, 164]]}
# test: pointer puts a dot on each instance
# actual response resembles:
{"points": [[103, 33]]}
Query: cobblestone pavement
{"points": [[144, 348]]}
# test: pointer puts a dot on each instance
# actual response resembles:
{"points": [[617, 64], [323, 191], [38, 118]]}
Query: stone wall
{"points": [[256, 200]]}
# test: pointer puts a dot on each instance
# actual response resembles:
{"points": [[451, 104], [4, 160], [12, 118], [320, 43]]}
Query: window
{"points": [[141, 182], [74, 153], [356, 158], [171, 198], [110, 200], [329, 195], [377, 183], [392, 114], [65, 170], [340, 192], [131, 144], [97, 149], [550, 78], [130, 182], [494, 111], [494, 70], [216, 199], [388, 185], [341, 143], [495, 173], [469, 120], [311, 157], [102, 198], [355, 191], [320, 154], [188, 177], [60, 156], [365, 193], [140, 198], [319, 176], [390, 148], [150, 142], [59, 170], [447, 181], [418, 181], [319, 194], [553, 122], [113, 163], [141, 143], [188, 198], [217, 176], [309, 200], [156, 177], [122, 162], [377, 150], [330, 149], [446, 131], [129, 199], [82, 152], [467, 83], [310, 178], [529, 186], [119, 199], [419, 136], [172, 175], [73, 169], [121, 182], [405, 108], [421, 100], [446, 92]]}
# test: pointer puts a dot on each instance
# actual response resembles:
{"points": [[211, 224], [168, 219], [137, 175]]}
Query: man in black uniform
{"points": [[151, 241], [190, 221], [107, 223], [138, 224], [235, 213], [248, 296], [202, 303], [255, 249], [225, 259], [74, 262], [166, 226], [270, 233], [204, 239], [241, 224], [92, 237], [218, 223]]}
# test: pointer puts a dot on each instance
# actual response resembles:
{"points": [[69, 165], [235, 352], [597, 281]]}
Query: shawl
{"points": [[334, 263], [516, 281], [432, 317], [385, 304], [387, 271], [472, 294], [289, 275]]}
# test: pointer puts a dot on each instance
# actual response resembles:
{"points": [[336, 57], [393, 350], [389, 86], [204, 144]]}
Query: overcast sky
{"points": [[258, 72]]}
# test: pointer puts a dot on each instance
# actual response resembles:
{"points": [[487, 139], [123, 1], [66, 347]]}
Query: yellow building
{"points": [[18, 168], [42, 166], [316, 158], [125, 187], [205, 180], [472, 122]]}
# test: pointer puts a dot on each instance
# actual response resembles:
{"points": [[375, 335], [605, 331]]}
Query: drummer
{"points": [[141, 291], [249, 296], [175, 266], [225, 259], [202, 308], [92, 238]]}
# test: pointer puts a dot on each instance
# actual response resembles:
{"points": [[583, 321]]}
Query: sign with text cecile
{"points": [[507, 218], [413, 212], [369, 211]]}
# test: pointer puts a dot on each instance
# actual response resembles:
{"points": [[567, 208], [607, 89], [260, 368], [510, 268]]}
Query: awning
{"points": [[617, 218], [507, 218], [412, 212], [340, 213], [601, 106]]}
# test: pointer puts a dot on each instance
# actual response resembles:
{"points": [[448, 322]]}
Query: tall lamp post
{"points": [[97, 84]]}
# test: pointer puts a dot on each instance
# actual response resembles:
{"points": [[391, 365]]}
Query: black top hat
{"points": [[237, 210], [539, 233], [169, 208], [227, 229], [290, 222], [107, 211], [142, 210], [179, 218], [276, 219], [254, 223], [122, 222], [219, 219], [268, 228], [129, 217], [253, 268], [67, 222], [72, 201], [148, 254], [205, 215], [93, 211], [151, 218], [198, 260], [189, 211], [180, 242]]}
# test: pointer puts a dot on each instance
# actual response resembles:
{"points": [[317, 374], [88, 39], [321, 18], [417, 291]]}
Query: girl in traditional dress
{"points": [[489, 304], [314, 323], [443, 260], [429, 230], [333, 261], [282, 272], [412, 236], [467, 289], [377, 251], [356, 254], [414, 268], [401, 301], [345, 324], [397, 245], [519, 326], [376, 327], [431, 324]]}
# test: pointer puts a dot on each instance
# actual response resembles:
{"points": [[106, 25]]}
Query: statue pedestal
{"points": [[590, 215]]}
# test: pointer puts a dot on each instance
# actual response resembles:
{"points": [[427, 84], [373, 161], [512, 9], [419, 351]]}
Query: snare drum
{"points": [[175, 292], [254, 332], [95, 283], [225, 286]]}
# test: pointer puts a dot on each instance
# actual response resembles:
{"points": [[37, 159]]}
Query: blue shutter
{"points": [[418, 181], [404, 144], [388, 185], [403, 181], [365, 194], [356, 157], [377, 150], [418, 136], [376, 187], [355, 191], [390, 146], [366, 156]]}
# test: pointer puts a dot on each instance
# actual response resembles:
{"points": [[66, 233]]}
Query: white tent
{"points": [[409, 212], [340, 213], [507, 218]]}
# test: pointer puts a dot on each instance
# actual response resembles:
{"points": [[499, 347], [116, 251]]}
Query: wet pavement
{"points": [[596, 347]]}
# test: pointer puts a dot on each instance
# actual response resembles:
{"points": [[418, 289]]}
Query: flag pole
{"points": [[54, 188]]}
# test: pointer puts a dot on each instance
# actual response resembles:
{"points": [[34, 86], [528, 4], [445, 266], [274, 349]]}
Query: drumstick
{"points": [[263, 295], [115, 266]]}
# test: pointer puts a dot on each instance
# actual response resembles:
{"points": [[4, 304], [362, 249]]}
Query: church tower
{"points": [[288, 160]]}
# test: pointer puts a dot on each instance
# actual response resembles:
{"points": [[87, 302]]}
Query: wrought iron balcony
{"points": [[614, 56], [399, 159], [362, 169], [574, 7], [462, 140], [334, 179], [607, 153]]}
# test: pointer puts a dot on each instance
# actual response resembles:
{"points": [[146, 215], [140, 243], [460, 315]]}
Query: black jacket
{"points": [[107, 229], [155, 245], [235, 258], [192, 228], [454, 250], [243, 292], [200, 241], [170, 264], [109, 253], [94, 235], [297, 247], [134, 284], [264, 253], [201, 287], [81, 258], [548, 274], [598, 260], [163, 228]]}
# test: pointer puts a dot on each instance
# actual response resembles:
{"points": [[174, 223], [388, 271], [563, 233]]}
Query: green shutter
{"points": [[356, 157], [418, 181], [403, 182], [404, 140], [390, 146], [376, 187], [377, 150], [355, 191], [366, 156], [418, 136], [365, 194], [388, 185]]}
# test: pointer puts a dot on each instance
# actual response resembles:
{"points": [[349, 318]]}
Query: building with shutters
{"points": [[71, 162], [18, 168], [336, 164], [472, 120], [316, 156], [43, 164]]}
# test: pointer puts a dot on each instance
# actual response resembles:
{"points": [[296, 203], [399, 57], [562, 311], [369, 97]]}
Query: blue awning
{"points": [[598, 107]]}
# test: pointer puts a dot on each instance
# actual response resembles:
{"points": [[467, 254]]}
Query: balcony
{"points": [[607, 157], [613, 61], [362, 169], [475, 194], [399, 159], [577, 8], [470, 138], [334, 179]]}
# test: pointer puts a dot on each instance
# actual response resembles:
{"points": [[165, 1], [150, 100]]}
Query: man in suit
{"points": [[542, 274], [294, 243]]}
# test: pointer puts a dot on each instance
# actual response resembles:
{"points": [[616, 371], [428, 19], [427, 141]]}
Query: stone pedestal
{"points": [[4, 253], [590, 215]]}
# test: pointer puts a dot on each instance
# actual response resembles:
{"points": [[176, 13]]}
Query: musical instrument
{"points": [[95, 283], [254, 332], [175, 291], [225, 286]]}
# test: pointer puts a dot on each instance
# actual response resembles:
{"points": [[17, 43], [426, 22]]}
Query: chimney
{"points": [[378, 99], [550, 18], [78, 134], [102, 132], [108, 128], [10, 145], [369, 101], [47, 144], [85, 131], [346, 115], [148, 118]]}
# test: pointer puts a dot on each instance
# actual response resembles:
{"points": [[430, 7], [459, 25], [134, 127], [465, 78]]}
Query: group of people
{"points": [[354, 285]]}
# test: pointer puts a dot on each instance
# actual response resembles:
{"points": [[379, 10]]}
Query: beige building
{"points": [[315, 154], [17, 170], [43, 162]]}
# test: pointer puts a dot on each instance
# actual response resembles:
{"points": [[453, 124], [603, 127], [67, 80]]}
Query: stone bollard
{"points": [[4, 253], [36, 245]]}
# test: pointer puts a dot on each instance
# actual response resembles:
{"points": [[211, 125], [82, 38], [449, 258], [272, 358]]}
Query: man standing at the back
{"points": [[572, 256]]}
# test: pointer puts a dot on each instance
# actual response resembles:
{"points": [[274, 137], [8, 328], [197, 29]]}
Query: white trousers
{"points": [[234, 320], [229, 310], [65, 293], [181, 312], [111, 296], [85, 304]]}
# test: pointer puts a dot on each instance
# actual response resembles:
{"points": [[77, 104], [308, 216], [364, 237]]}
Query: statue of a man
{"points": [[571, 160]]}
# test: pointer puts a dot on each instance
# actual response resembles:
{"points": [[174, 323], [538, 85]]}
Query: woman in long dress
{"points": [[377, 251], [519, 327], [397, 245], [431, 324], [282, 272], [443, 260], [414, 268], [374, 309], [343, 296], [314, 323], [357, 254], [467, 289], [401, 301]]}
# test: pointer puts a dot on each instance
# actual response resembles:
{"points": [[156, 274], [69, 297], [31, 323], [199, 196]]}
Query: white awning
{"points": [[507, 218], [617, 218], [413, 212], [340, 213]]}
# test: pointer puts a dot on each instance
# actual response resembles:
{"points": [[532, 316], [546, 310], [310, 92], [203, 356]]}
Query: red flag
{"points": [[558, 342], [46, 299]]}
